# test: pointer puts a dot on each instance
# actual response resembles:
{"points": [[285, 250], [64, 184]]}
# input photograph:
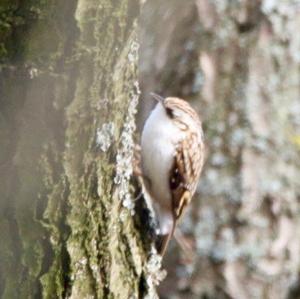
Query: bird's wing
{"points": [[183, 179], [185, 172]]}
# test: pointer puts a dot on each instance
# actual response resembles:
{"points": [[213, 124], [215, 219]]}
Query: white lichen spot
{"points": [[104, 136], [128, 203], [80, 268], [154, 268], [155, 273], [125, 153], [133, 53], [53, 239], [33, 72], [96, 271], [83, 261]]}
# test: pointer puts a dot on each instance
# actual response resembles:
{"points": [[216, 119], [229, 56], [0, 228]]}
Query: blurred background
{"points": [[238, 63], [68, 96]]}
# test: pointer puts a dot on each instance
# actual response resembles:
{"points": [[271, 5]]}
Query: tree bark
{"points": [[68, 96]]}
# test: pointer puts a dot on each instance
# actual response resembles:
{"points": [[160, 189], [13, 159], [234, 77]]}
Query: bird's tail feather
{"points": [[163, 240]]}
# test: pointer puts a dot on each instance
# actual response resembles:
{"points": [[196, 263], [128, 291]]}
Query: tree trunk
{"points": [[238, 63], [68, 97]]}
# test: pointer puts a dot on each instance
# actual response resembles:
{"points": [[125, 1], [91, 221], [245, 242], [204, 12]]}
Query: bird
{"points": [[172, 155]]}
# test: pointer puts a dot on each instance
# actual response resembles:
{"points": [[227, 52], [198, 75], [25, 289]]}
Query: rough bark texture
{"points": [[68, 96], [238, 63]]}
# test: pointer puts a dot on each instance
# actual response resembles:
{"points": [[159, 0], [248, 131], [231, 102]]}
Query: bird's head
{"points": [[177, 108]]}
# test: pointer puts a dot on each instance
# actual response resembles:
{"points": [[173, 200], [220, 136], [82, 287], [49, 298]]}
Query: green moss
{"points": [[31, 31], [67, 202]]}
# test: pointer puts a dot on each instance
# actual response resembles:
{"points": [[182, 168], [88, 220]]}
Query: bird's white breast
{"points": [[159, 138]]}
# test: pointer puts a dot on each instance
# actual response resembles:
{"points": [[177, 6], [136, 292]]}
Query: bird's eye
{"points": [[169, 112]]}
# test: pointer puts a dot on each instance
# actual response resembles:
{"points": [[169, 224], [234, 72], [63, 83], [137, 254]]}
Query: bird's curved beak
{"points": [[157, 97]]}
